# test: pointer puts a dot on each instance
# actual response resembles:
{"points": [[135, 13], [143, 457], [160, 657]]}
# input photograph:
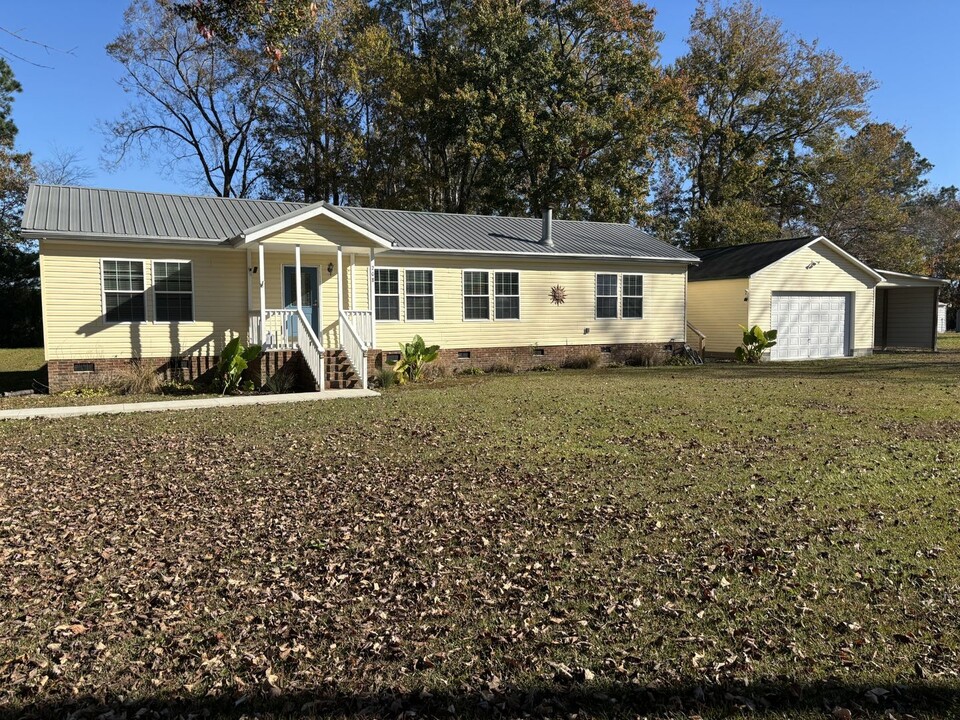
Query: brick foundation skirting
{"points": [[92, 372], [522, 357]]}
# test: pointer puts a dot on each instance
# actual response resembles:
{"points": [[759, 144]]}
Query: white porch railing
{"points": [[362, 322], [279, 333], [310, 348], [354, 346]]}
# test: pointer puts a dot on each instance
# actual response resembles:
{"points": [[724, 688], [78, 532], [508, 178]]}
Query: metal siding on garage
{"points": [[810, 326]]}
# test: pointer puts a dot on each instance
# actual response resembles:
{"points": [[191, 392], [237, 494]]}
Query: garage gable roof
{"points": [[742, 261]]}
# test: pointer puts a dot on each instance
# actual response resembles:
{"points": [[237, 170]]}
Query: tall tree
{"points": [[196, 99], [16, 170], [764, 101], [861, 189]]}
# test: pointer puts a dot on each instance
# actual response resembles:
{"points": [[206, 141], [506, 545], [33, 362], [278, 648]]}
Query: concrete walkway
{"points": [[164, 405]]}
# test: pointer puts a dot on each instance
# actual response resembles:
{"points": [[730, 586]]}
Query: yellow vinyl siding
{"points": [[322, 234], [541, 321], [816, 269], [73, 321], [716, 308]]}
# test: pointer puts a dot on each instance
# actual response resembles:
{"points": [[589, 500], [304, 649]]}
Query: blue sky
{"points": [[910, 48]]}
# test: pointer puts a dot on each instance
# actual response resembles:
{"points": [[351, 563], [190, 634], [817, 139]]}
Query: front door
{"points": [[309, 289]]}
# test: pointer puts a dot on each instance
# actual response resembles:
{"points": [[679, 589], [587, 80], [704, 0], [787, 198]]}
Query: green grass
{"points": [[19, 367], [702, 541]]}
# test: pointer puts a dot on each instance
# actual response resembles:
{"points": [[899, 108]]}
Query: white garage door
{"points": [[809, 326]]}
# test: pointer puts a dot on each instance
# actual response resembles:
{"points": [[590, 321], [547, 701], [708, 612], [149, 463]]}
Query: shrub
{"points": [[503, 368], [471, 371], [414, 357], [136, 378], [648, 355], [755, 343], [544, 368], [282, 381], [436, 371], [385, 378], [233, 361], [583, 361]]}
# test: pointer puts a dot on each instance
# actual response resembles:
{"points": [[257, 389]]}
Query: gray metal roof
{"points": [[78, 212], [449, 232], [61, 210]]}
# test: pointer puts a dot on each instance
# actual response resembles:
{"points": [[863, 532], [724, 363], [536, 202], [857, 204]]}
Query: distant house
{"points": [[823, 302], [168, 279]]}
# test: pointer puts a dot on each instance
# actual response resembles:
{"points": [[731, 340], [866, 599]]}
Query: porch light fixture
{"points": [[812, 264], [253, 270], [746, 295], [329, 268]]}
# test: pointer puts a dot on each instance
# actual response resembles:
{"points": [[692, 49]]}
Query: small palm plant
{"points": [[755, 343], [414, 357]]}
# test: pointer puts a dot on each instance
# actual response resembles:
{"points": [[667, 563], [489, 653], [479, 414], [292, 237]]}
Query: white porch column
{"points": [[296, 262], [339, 280], [263, 295], [353, 282], [370, 299]]}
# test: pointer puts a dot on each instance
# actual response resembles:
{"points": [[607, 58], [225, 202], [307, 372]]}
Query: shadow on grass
{"points": [[22, 379], [598, 699]]}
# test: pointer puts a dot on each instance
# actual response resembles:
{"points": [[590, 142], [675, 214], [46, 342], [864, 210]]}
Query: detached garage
{"points": [[818, 297]]}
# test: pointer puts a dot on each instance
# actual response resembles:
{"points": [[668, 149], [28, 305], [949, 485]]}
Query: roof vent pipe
{"points": [[546, 237]]}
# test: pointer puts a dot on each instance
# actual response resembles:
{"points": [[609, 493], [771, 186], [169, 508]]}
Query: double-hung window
{"points": [[386, 293], [633, 296], [419, 294], [606, 295], [476, 295], [123, 291], [172, 291], [506, 291]]}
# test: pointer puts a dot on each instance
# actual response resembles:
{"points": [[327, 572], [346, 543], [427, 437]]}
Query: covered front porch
{"points": [[310, 289]]}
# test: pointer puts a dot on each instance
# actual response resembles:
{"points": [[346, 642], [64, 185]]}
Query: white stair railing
{"points": [[310, 348], [280, 332], [362, 322], [354, 347]]}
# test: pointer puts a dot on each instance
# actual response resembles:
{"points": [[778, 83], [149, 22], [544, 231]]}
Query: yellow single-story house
{"points": [[169, 279], [823, 302]]}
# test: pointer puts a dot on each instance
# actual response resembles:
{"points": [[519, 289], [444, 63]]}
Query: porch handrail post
{"points": [[353, 282], [263, 295], [339, 280], [296, 262], [370, 299]]}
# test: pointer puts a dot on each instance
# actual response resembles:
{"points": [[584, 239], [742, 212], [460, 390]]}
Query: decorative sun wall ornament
{"points": [[558, 294]]}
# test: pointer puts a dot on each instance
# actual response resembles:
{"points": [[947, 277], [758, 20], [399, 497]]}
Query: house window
{"points": [[386, 289], [463, 355], [173, 291], [123, 293], [419, 294], [606, 295], [476, 295], [506, 290], [633, 296]]}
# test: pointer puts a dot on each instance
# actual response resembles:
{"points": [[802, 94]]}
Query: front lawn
{"points": [[777, 540], [19, 367]]}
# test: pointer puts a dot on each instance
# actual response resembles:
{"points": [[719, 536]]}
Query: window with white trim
{"points": [[476, 295], [506, 292], [123, 291], [172, 291], [606, 295], [632, 296], [386, 293], [419, 294]]}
